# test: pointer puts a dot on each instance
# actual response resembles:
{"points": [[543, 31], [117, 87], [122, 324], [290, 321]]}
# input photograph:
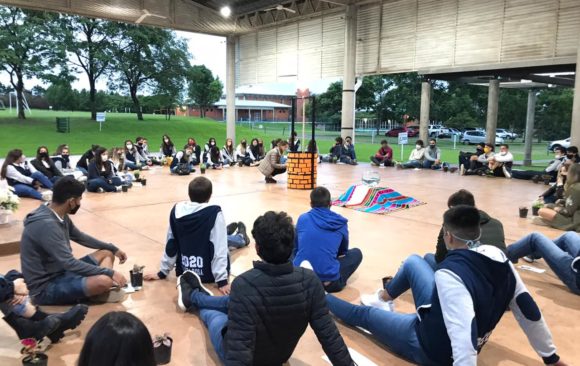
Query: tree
{"points": [[91, 42], [145, 57], [204, 90], [27, 47], [61, 96]]}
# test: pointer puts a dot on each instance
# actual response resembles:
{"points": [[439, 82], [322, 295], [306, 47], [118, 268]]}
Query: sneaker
{"points": [[462, 170], [184, 291], [374, 300], [536, 179], [453, 169], [529, 259], [195, 283], [536, 220], [231, 229], [506, 172], [242, 231], [306, 264], [374, 164], [240, 163], [270, 180], [68, 321], [100, 190], [118, 188]]}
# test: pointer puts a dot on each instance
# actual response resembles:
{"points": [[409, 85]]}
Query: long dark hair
{"points": [[230, 149], [118, 339], [125, 146], [255, 149], [166, 145], [214, 153], [11, 158], [99, 161]]}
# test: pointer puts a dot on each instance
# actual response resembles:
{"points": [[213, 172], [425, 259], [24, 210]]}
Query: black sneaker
{"points": [[242, 231], [69, 320], [195, 284], [232, 228], [536, 179], [184, 291], [270, 180]]}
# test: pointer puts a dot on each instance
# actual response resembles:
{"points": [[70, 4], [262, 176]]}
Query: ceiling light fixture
{"points": [[226, 11]]}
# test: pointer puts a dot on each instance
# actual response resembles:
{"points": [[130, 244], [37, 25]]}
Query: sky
{"points": [[206, 50]]}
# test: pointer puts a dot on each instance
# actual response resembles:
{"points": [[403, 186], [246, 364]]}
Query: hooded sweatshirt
{"points": [[321, 236], [46, 253]]}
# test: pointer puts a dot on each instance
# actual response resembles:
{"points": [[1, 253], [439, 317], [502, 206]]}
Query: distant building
{"points": [[254, 103]]}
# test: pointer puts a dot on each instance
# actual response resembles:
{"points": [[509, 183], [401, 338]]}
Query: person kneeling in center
{"points": [[271, 165], [322, 241], [270, 306]]}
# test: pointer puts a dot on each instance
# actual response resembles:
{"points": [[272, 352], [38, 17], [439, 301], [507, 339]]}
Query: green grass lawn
{"points": [[40, 129]]}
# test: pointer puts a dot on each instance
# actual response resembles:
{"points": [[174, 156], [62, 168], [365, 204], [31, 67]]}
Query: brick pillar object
{"points": [[300, 170]]}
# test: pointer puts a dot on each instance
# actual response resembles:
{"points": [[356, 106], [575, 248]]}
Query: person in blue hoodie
{"points": [[458, 305], [322, 242]]}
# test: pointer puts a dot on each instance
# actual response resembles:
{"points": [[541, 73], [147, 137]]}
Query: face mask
{"points": [[432, 146], [212, 143], [140, 143], [129, 147], [166, 141], [418, 147], [557, 156], [74, 210], [43, 155], [65, 157], [486, 150], [570, 156]]}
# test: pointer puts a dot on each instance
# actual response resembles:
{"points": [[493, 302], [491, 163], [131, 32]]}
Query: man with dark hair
{"points": [[270, 306], [500, 165], [572, 154], [322, 243], [349, 151], [198, 239], [550, 172], [384, 156], [480, 165], [466, 157], [54, 276], [458, 306], [491, 229], [432, 156]]}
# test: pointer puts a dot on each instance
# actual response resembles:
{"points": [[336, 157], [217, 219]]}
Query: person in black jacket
{"points": [[269, 307], [102, 174], [44, 164], [84, 161], [26, 319]]}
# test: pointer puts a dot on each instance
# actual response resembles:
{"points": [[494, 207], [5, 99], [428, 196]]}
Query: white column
{"points": [[231, 88], [575, 129], [425, 109], [492, 107], [349, 76], [530, 116]]}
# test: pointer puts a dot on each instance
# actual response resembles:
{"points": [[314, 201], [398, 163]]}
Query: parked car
{"points": [[559, 143], [438, 131], [505, 134], [476, 137], [455, 132], [396, 131]]}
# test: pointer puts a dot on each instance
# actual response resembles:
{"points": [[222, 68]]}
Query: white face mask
{"points": [[129, 147], [419, 147]]}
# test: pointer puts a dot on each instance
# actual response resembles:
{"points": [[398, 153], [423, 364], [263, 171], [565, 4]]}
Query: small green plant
{"points": [[136, 174], [138, 269], [538, 204]]}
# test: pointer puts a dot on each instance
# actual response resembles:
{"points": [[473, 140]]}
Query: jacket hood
{"points": [[484, 218], [325, 219], [41, 213]]}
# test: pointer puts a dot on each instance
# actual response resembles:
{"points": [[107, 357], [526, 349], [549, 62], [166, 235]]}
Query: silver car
{"points": [[476, 137]]}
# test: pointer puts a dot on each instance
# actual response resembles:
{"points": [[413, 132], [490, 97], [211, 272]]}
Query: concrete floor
{"points": [[137, 222]]}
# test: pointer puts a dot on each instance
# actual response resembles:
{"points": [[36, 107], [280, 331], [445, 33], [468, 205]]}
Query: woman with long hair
{"points": [[117, 157], [565, 213], [196, 157], [229, 153], [214, 158], [206, 150], [133, 159], [23, 177], [102, 175], [243, 154], [167, 146], [44, 164], [254, 151], [118, 339]]}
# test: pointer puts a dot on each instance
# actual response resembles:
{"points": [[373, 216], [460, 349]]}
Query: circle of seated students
{"points": [[300, 262]]}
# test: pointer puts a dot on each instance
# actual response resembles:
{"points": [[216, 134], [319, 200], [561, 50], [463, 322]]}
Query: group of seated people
{"points": [[460, 293]]}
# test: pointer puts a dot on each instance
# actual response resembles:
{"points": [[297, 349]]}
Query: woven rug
{"points": [[377, 200]]}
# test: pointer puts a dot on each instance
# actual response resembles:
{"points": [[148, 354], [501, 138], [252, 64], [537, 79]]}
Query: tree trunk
{"points": [[93, 98], [136, 104], [20, 95]]}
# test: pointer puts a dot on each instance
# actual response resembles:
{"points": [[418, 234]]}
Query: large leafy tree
{"points": [[28, 47], [90, 43], [204, 89], [145, 58]]}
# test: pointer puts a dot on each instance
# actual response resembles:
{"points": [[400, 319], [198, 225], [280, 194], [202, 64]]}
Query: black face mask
{"points": [[43, 155], [432, 146], [570, 156], [65, 157], [74, 210]]}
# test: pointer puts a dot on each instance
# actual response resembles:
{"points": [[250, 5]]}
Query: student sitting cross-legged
{"points": [[53, 274], [458, 306], [322, 241], [198, 240], [270, 306]]}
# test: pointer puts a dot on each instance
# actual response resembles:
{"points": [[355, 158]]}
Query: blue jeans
{"points": [[213, 311], [559, 254], [131, 165], [236, 241], [430, 258], [428, 164], [412, 164], [348, 264], [19, 309], [65, 289], [25, 190], [94, 184], [395, 330], [83, 170]]}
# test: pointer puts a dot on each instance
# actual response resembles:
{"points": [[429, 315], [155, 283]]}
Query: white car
{"points": [[437, 131], [476, 137], [559, 143], [505, 134]]}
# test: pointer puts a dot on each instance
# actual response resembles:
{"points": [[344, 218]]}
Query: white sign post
{"points": [[454, 142], [403, 140], [101, 119]]}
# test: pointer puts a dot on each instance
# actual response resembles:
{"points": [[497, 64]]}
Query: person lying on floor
{"points": [[561, 254], [53, 274], [198, 240], [27, 320], [564, 214], [458, 306], [322, 242], [491, 229], [270, 306]]}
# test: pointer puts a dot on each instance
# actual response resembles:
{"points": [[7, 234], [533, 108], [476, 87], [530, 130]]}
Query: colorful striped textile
{"points": [[377, 200]]}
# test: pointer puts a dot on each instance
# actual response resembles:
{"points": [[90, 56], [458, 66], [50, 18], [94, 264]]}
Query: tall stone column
{"points": [[231, 88], [349, 76], [425, 109], [492, 107], [530, 117]]}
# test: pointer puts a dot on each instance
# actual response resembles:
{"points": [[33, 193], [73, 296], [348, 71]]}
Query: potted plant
{"points": [[9, 202], [536, 207], [143, 181], [137, 276], [137, 174], [523, 212], [33, 355], [162, 348], [202, 168]]}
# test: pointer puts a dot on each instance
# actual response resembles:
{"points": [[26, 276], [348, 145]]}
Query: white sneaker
{"points": [[307, 265], [528, 259], [506, 172], [375, 301], [462, 170]]}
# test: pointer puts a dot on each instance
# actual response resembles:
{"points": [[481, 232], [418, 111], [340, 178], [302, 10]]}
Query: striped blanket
{"points": [[377, 200]]}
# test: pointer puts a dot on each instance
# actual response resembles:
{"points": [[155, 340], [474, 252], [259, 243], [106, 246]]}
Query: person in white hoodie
{"points": [[416, 157], [23, 177], [500, 165]]}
